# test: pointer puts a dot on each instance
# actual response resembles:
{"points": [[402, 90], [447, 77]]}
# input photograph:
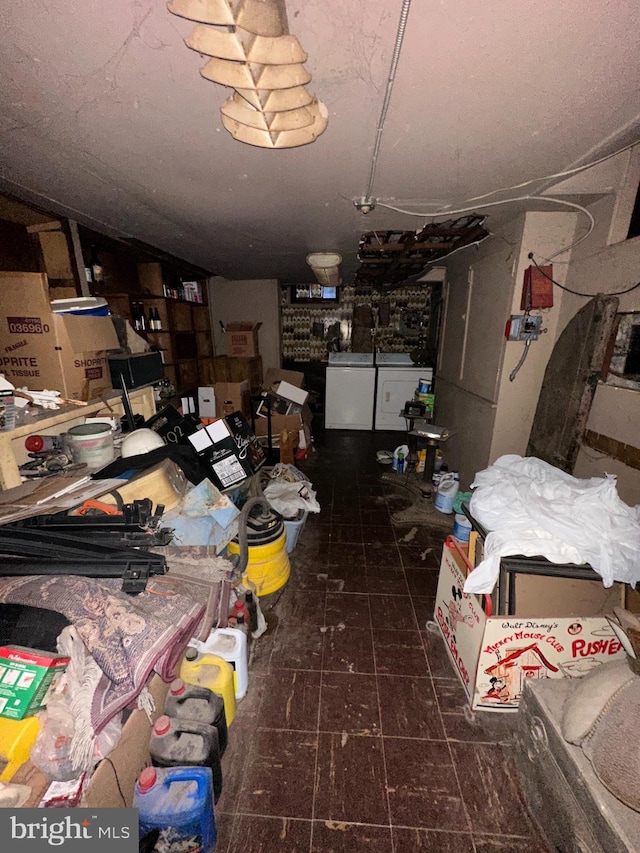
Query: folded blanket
{"points": [[128, 636]]}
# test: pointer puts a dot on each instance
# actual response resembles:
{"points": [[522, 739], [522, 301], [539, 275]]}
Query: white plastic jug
{"points": [[447, 490]]}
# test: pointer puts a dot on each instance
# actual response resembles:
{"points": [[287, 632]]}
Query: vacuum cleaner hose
{"points": [[243, 535]]}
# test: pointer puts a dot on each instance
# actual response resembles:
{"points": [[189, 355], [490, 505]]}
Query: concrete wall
{"points": [[255, 301], [543, 234], [489, 414]]}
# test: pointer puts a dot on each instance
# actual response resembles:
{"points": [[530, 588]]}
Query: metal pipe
{"points": [[402, 25]]}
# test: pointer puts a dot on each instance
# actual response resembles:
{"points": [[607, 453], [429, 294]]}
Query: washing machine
{"points": [[396, 382], [350, 390]]}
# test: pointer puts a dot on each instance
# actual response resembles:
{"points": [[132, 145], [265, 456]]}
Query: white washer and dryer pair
{"points": [[364, 393]]}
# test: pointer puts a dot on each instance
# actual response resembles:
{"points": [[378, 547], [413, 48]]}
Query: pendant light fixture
{"points": [[326, 267], [252, 51]]}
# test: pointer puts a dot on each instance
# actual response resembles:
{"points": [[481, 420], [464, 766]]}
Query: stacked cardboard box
{"points": [[287, 400], [40, 349], [225, 369], [242, 339]]}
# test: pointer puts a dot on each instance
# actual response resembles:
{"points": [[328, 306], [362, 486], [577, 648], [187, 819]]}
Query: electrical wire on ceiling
{"points": [[565, 174], [402, 25], [576, 292], [367, 202]]}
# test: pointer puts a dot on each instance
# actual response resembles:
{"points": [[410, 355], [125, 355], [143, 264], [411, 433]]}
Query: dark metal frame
{"points": [[512, 566]]}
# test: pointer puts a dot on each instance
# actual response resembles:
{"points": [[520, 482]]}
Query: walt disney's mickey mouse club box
{"points": [[495, 655]]}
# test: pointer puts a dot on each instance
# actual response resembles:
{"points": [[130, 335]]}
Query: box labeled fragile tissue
{"points": [[26, 676]]}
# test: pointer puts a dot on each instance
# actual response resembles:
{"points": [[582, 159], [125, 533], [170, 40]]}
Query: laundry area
{"points": [[319, 457]]}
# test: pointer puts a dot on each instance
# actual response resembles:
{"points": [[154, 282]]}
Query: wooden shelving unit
{"points": [[185, 340]]}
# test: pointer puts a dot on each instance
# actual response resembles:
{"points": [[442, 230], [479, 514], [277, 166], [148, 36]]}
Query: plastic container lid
{"points": [[162, 725], [177, 687], [89, 431], [147, 779], [95, 305]]}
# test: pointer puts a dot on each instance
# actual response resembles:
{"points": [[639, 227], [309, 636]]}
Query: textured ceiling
{"points": [[104, 116]]}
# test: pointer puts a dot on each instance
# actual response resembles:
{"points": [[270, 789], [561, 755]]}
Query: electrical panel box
{"points": [[537, 290], [523, 327]]}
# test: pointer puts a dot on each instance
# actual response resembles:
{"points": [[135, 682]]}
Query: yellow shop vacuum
{"points": [[262, 546]]}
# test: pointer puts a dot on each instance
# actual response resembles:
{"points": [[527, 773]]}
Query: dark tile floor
{"points": [[352, 735]]}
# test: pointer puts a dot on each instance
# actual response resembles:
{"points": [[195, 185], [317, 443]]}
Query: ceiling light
{"points": [[326, 267], [364, 204]]}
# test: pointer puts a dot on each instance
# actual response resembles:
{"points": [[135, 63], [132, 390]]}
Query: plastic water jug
{"points": [[185, 743], [179, 802], [212, 672], [447, 490], [231, 645], [188, 702]]}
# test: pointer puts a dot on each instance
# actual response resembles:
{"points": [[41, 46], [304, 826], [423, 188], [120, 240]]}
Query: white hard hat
{"points": [[140, 441]]}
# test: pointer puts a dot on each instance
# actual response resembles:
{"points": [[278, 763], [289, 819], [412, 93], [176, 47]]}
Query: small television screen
{"points": [[313, 293]]}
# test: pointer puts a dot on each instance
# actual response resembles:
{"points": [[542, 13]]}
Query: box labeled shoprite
{"points": [[40, 349], [242, 339], [26, 676], [495, 656]]}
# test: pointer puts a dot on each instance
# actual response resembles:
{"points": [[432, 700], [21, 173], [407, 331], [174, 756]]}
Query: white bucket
{"points": [[92, 444], [461, 527]]}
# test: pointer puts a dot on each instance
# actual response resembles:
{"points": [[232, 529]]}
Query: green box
{"points": [[26, 676]]}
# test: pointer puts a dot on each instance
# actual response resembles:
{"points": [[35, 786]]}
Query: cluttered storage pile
{"points": [[129, 597]]}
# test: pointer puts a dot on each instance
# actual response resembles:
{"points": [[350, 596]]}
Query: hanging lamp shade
{"points": [[237, 109], [326, 267], [247, 75], [243, 46], [269, 138], [253, 52], [277, 100], [262, 17]]}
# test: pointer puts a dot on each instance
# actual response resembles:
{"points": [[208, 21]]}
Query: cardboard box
{"points": [[206, 402], [242, 339], [239, 393], [277, 405], [293, 393], [40, 349], [115, 779], [275, 375], [292, 423], [224, 369], [228, 451], [495, 655], [172, 426], [26, 675]]}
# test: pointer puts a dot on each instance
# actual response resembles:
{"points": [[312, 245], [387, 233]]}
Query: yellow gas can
{"points": [[212, 672]]}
